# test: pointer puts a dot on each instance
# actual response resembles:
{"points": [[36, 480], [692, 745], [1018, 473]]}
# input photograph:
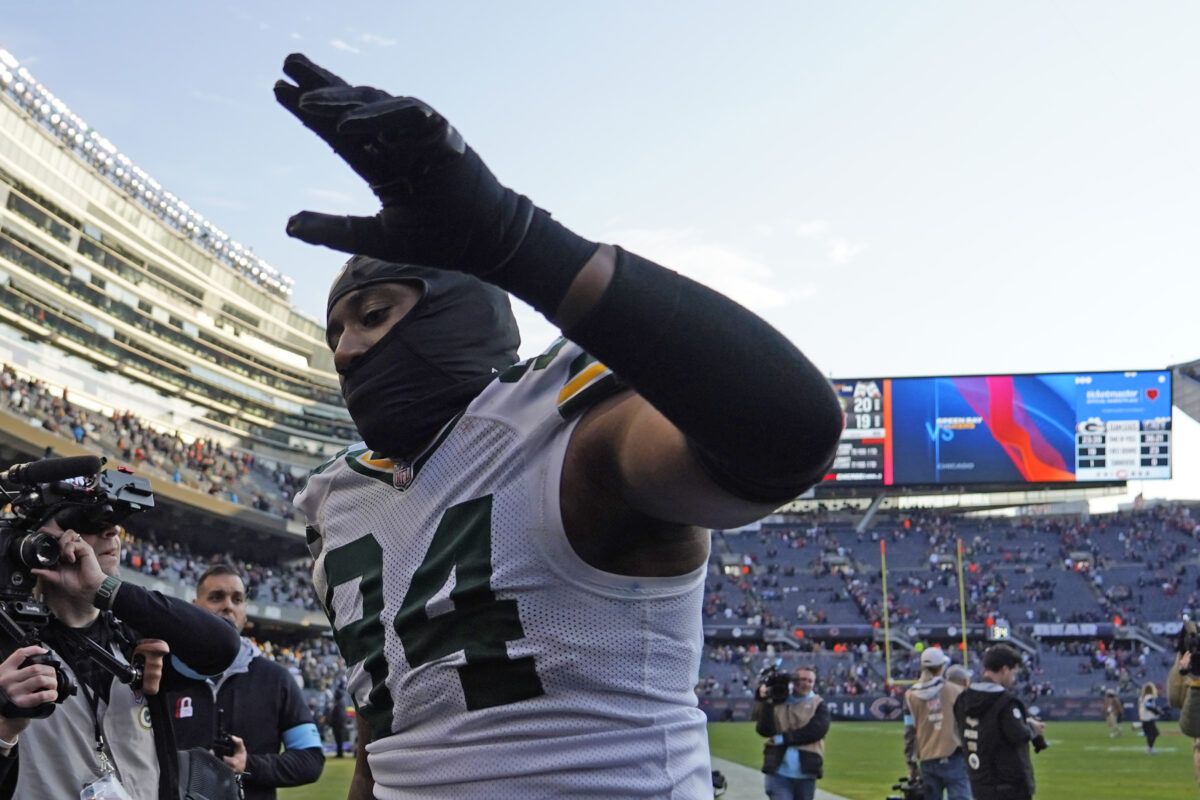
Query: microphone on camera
{"points": [[49, 470]]}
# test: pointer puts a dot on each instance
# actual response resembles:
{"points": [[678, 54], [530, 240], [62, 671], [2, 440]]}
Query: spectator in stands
{"points": [[131, 439], [103, 723], [256, 701], [795, 726], [1112, 712], [568, 504], [932, 746]]}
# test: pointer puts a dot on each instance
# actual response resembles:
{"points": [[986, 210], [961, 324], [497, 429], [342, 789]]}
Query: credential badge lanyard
{"points": [[108, 785]]}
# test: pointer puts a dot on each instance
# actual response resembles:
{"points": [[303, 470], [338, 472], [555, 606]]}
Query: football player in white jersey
{"points": [[513, 558]]}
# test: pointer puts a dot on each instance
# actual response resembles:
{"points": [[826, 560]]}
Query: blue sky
{"points": [[903, 188]]}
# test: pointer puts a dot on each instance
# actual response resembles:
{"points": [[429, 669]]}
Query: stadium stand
{"points": [[133, 328], [1094, 600]]}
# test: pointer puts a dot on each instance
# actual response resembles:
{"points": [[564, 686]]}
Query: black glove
{"points": [[442, 207]]}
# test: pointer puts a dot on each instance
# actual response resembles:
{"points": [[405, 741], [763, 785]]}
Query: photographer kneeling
{"points": [[106, 730], [795, 720]]}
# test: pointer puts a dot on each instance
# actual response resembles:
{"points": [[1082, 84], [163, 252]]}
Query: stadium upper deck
{"points": [[113, 288]]}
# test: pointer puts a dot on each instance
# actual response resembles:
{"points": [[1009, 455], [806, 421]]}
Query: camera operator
{"points": [[997, 730], [256, 701], [932, 745], [795, 720], [108, 730]]}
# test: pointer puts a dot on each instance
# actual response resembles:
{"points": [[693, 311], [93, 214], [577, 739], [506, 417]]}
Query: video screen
{"points": [[1005, 429]]}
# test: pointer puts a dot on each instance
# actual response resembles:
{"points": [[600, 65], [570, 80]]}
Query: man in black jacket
{"points": [[259, 703], [997, 730]]}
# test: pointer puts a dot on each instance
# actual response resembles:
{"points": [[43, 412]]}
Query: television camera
{"points": [[77, 495], [778, 682]]}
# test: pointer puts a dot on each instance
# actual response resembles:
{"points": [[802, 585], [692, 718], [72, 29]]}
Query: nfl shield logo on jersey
{"points": [[402, 475]]}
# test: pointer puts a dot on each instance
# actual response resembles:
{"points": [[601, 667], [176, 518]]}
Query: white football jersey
{"points": [[489, 659]]}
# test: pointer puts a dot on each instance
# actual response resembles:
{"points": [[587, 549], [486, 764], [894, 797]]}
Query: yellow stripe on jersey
{"points": [[582, 381], [382, 464], [366, 462]]}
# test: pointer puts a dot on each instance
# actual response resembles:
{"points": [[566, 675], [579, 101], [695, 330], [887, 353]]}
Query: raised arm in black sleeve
{"points": [[202, 644], [764, 433]]}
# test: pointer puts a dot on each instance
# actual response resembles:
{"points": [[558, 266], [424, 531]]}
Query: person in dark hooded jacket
{"points": [[996, 730], [256, 702]]}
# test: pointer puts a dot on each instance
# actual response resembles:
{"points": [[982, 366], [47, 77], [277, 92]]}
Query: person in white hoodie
{"points": [[931, 742]]}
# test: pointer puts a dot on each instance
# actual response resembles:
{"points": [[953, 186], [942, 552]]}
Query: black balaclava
{"points": [[433, 362]]}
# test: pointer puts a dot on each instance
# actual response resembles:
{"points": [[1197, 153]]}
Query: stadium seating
{"points": [[1136, 573]]}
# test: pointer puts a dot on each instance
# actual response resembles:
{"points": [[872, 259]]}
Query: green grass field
{"points": [[863, 759]]}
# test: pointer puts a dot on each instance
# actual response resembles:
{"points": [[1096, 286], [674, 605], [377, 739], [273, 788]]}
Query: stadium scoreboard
{"points": [[1004, 429], [860, 453]]}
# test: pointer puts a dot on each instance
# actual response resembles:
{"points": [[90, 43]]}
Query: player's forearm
{"points": [[760, 417]]}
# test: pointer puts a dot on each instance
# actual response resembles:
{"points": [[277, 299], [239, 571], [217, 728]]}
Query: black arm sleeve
{"points": [[202, 642], [765, 724], [813, 731], [289, 768], [761, 419]]}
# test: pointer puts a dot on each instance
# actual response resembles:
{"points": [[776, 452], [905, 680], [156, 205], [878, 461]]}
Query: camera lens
{"points": [[37, 550]]}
